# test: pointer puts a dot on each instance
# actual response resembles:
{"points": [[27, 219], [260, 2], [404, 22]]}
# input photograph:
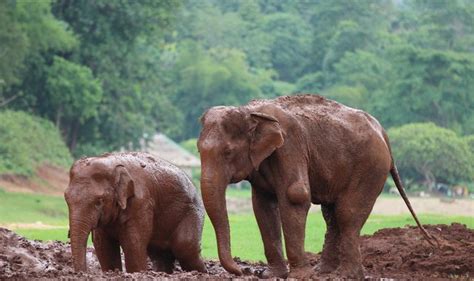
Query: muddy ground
{"points": [[398, 253]]}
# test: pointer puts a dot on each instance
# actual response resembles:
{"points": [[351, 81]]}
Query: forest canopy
{"points": [[107, 73]]}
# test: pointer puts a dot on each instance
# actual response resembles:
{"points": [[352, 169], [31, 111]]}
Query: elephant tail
{"points": [[401, 190]]}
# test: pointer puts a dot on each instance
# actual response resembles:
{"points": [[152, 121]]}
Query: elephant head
{"points": [[97, 191], [234, 141]]}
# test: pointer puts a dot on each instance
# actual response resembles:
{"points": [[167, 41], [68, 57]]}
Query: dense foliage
{"points": [[27, 141], [107, 73], [430, 153]]}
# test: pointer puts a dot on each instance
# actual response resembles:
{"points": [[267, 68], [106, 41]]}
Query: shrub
{"points": [[430, 153], [27, 141], [470, 142]]}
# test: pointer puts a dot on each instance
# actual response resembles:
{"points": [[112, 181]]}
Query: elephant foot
{"points": [[273, 272], [351, 272], [326, 266], [303, 272]]}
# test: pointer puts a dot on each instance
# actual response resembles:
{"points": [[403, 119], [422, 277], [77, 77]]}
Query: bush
{"points": [[470, 142], [27, 141], [426, 152], [191, 146]]}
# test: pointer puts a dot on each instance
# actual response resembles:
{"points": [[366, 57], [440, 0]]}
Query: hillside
{"points": [[48, 179]]}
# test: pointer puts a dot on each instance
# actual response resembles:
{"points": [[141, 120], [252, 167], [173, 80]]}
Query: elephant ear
{"points": [[266, 135], [124, 186]]}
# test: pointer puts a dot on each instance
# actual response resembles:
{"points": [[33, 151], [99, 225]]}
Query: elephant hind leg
{"points": [[163, 260], [186, 243], [189, 257], [349, 224], [192, 263], [352, 210], [330, 255]]}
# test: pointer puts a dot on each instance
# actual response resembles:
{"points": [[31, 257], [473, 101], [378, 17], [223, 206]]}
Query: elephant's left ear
{"points": [[266, 136], [124, 185]]}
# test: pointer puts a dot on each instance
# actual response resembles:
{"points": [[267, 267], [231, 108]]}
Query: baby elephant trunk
{"points": [[79, 232]]}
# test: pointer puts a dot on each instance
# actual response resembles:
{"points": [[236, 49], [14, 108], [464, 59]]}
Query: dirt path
{"points": [[396, 206], [388, 206], [35, 225], [398, 253]]}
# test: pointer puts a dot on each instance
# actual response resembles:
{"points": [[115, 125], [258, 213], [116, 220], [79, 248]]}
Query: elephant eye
{"points": [[99, 202], [227, 152]]}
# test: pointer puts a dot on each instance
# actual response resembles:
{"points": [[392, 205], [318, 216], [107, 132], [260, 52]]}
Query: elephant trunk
{"points": [[79, 231], [215, 204]]}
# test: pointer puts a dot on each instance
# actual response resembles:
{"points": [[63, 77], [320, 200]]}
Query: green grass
{"points": [[238, 193], [59, 234], [29, 208], [246, 241]]}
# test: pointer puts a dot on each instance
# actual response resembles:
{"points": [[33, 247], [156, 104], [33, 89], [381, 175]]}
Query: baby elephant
{"points": [[147, 206]]}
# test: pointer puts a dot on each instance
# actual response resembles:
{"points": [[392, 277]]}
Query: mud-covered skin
{"points": [[144, 205], [392, 253], [295, 151]]}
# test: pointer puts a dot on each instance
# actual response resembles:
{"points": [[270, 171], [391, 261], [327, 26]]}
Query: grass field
{"points": [[247, 193], [246, 241], [238, 193]]}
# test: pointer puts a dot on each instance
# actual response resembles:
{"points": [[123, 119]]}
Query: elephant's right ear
{"points": [[266, 135], [124, 185]]}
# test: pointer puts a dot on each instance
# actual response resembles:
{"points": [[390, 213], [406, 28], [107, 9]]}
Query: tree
{"points": [[289, 44], [438, 24], [470, 141], [26, 30], [357, 79], [361, 69], [350, 96], [208, 78], [431, 154], [429, 85], [311, 83], [226, 25], [118, 43], [335, 22], [75, 96], [348, 37], [13, 48]]}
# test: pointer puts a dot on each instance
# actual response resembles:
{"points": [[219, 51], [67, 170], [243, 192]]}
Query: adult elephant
{"points": [[296, 150], [145, 205]]}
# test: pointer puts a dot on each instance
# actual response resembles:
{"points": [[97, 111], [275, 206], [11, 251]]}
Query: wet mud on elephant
{"points": [[146, 206], [295, 151]]}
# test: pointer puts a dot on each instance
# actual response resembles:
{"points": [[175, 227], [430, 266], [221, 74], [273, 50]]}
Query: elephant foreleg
{"points": [[268, 219], [134, 250], [293, 217], [107, 250]]}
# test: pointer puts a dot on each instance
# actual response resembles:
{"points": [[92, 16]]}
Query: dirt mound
{"points": [[398, 253], [395, 251], [47, 179]]}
